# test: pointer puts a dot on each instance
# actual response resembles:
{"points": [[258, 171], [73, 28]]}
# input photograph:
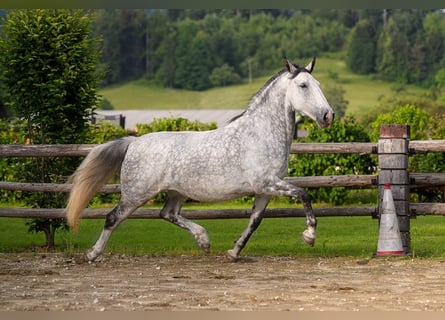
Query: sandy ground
{"points": [[119, 282]]}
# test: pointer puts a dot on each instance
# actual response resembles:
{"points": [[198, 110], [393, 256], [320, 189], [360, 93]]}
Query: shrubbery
{"points": [[344, 130]]}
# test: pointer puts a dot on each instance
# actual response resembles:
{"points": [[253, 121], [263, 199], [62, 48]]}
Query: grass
{"points": [[142, 94], [337, 236], [362, 92]]}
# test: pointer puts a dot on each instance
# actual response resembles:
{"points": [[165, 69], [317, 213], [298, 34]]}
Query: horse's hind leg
{"points": [[171, 211], [259, 206], [113, 219]]}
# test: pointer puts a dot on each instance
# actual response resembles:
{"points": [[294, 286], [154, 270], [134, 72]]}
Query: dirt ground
{"points": [[120, 282]]}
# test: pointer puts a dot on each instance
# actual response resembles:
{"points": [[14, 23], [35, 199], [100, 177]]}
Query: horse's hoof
{"points": [[231, 256], [309, 237], [91, 257], [205, 247]]}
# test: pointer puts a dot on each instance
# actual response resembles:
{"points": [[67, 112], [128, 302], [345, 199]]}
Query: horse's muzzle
{"points": [[327, 119]]}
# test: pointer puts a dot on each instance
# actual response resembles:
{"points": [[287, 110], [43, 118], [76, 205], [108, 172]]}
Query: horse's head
{"points": [[305, 96]]}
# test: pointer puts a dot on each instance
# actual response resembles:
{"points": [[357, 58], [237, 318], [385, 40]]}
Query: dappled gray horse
{"points": [[247, 156]]}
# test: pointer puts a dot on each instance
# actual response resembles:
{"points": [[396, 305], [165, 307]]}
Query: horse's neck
{"points": [[269, 108]]}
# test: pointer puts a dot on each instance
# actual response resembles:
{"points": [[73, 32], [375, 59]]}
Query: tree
{"points": [[223, 76], [362, 48], [124, 43], [192, 57], [392, 53], [199, 64], [418, 66], [186, 31], [48, 65]]}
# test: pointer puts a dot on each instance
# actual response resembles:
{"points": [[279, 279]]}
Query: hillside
{"points": [[362, 92]]}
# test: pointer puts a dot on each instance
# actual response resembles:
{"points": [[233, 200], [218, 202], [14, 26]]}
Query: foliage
{"points": [[173, 124], [182, 49], [104, 131], [344, 130], [422, 127], [49, 70], [418, 120], [224, 76], [12, 131], [123, 34], [387, 103], [392, 53], [362, 48], [410, 47], [105, 104]]}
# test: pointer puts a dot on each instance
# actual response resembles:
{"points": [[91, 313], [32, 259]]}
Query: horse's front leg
{"points": [[283, 188], [259, 206]]}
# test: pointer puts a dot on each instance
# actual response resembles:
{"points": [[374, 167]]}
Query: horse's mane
{"points": [[259, 92], [266, 85]]}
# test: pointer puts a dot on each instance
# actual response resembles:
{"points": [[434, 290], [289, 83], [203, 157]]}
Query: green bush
{"points": [[48, 68], [173, 124], [104, 131], [345, 130], [12, 132], [418, 120], [422, 126]]}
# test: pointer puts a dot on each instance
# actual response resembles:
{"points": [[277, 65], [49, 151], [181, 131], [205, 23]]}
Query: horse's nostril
{"points": [[328, 117]]}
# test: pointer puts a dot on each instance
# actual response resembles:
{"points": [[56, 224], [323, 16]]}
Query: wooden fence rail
{"points": [[418, 180], [417, 209], [78, 150]]}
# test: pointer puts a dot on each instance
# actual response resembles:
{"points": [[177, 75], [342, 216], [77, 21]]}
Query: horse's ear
{"points": [[311, 65], [289, 66]]}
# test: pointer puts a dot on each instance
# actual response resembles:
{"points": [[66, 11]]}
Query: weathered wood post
{"points": [[393, 169]]}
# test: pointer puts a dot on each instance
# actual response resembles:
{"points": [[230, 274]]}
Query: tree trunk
{"points": [[50, 233]]}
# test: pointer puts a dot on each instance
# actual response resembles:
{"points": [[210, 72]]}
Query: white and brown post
{"points": [[393, 154]]}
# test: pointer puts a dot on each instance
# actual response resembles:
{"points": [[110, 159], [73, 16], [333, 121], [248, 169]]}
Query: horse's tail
{"points": [[101, 164]]}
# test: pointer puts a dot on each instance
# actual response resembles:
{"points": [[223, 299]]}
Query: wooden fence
{"points": [[392, 150]]}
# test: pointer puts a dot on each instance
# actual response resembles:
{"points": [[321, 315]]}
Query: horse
{"points": [[247, 156]]}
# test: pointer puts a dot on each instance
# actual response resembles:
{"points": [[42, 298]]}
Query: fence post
{"points": [[393, 152]]}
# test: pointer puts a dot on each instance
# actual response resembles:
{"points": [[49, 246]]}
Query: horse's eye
{"points": [[303, 85]]}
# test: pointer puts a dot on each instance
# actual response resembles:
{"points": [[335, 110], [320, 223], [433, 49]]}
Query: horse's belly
{"points": [[210, 189]]}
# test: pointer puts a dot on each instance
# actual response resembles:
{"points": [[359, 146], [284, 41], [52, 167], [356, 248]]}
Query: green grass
{"points": [[362, 92], [337, 236], [141, 94]]}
